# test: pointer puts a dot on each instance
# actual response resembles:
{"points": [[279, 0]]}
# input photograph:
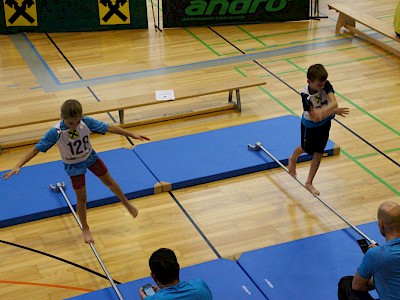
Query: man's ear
{"points": [[154, 277], [309, 81], [381, 227]]}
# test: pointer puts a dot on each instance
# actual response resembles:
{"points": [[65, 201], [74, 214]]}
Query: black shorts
{"points": [[314, 139]]}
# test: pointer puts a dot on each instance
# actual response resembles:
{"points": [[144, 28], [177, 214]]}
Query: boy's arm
{"points": [[121, 131], [319, 114], [27, 157]]}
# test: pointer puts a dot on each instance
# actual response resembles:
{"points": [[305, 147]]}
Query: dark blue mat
{"points": [[309, 268], [220, 154], [224, 277], [156, 166], [27, 196]]}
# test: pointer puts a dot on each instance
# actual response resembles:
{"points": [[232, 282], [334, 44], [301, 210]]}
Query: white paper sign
{"points": [[165, 95]]}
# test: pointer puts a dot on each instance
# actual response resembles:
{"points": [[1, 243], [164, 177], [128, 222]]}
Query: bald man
{"points": [[380, 267]]}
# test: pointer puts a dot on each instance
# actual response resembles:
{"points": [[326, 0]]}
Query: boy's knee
{"points": [[78, 182]]}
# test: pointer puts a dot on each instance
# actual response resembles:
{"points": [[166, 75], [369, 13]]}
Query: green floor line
{"points": [[277, 101], [370, 172], [369, 114], [252, 36], [237, 69], [203, 43], [376, 153], [353, 159], [294, 31], [323, 52], [358, 107]]}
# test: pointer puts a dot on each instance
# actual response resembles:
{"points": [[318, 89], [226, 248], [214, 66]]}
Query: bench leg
{"points": [[121, 116], [344, 20], [237, 104]]}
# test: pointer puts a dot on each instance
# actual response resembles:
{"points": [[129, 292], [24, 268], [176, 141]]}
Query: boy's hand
{"points": [[12, 172], [143, 295], [315, 114], [342, 111], [140, 137]]}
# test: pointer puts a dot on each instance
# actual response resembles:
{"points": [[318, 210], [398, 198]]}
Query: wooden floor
{"points": [[234, 215]]}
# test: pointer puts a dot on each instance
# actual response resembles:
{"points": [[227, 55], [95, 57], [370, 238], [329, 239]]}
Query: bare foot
{"points": [[87, 236], [292, 166], [312, 189], [132, 210]]}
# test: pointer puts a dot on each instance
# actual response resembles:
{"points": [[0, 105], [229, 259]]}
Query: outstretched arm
{"points": [[27, 157], [342, 111], [121, 131]]}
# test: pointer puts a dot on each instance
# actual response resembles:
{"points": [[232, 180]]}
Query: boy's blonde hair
{"points": [[71, 109], [317, 72]]}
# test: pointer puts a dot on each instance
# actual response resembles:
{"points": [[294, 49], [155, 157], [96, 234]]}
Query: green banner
{"points": [[183, 13], [71, 15]]}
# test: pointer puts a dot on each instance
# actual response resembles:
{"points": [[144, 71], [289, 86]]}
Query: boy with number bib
{"points": [[72, 136], [320, 107]]}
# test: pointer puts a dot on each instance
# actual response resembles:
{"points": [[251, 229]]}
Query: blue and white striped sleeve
{"points": [[95, 125], [48, 140]]}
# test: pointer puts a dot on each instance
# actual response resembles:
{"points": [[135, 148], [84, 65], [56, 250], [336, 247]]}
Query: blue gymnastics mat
{"points": [[224, 277], [308, 268], [27, 196], [155, 167], [219, 154]]}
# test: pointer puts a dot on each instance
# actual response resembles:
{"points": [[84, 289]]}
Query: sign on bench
{"points": [[348, 18], [28, 115]]}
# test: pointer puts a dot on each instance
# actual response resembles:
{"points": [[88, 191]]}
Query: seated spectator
{"points": [[165, 272], [380, 267]]}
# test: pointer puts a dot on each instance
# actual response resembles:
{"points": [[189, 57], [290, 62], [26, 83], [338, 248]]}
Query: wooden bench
{"points": [[30, 115], [348, 18]]}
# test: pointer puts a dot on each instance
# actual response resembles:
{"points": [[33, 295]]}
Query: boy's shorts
{"points": [[314, 139], [98, 168]]}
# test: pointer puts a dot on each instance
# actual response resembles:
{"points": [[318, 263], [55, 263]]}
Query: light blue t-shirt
{"points": [[53, 135], [383, 263], [185, 290]]}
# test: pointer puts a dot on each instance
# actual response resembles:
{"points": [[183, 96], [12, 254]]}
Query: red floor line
{"points": [[46, 285]]}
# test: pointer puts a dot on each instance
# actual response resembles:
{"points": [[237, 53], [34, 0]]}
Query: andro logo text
{"points": [[236, 7]]}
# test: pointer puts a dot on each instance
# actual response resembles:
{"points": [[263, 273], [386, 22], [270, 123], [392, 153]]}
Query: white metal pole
{"points": [[61, 189], [258, 146]]}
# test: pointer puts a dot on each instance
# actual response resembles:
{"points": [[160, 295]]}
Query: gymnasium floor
{"points": [[47, 259]]}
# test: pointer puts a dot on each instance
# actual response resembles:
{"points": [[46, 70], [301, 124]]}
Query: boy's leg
{"points": [[297, 152], [100, 170], [293, 160], [78, 183], [315, 162], [315, 140], [115, 188]]}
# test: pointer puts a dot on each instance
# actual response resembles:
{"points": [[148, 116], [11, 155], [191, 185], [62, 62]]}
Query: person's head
{"points": [[389, 219], [71, 113], [164, 267], [316, 77]]}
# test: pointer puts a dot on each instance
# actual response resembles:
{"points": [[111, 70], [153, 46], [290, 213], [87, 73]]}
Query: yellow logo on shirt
{"points": [[73, 134]]}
